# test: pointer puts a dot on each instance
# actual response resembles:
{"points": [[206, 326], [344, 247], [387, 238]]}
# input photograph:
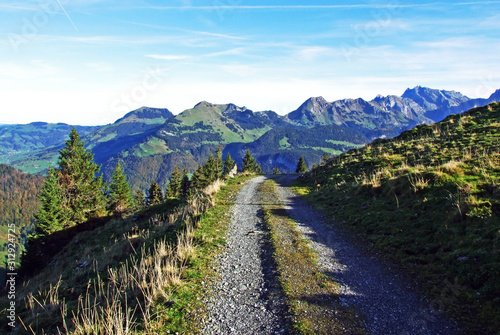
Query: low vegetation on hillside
{"points": [[430, 200]]}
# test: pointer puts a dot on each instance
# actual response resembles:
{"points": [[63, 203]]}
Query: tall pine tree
{"points": [[250, 163], [53, 214], [81, 186], [301, 166], [219, 164], [185, 185], [228, 164], [174, 186], [198, 180], [119, 191], [155, 195], [139, 200], [210, 169]]}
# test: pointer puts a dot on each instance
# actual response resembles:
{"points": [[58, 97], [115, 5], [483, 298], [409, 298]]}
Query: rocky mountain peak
{"points": [[233, 108], [146, 113], [432, 99], [495, 96], [314, 105], [204, 104]]}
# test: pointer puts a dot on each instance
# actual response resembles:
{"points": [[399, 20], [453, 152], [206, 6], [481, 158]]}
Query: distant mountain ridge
{"points": [[151, 141], [386, 116]]}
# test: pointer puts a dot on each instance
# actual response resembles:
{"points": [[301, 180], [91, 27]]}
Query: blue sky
{"points": [[92, 61]]}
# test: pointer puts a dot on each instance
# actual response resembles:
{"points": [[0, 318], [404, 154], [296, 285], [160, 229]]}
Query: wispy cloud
{"points": [[303, 7], [109, 39], [230, 52], [310, 53], [187, 31], [169, 57]]}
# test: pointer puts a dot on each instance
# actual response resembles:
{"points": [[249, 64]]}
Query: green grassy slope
{"points": [[430, 201]]}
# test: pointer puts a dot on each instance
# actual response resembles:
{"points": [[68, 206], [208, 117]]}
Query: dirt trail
{"points": [[389, 304], [246, 299]]}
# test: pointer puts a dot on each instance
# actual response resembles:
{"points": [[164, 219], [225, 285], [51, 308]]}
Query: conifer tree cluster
{"points": [[73, 192], [181, 186], [250, 164], [301, 166]]}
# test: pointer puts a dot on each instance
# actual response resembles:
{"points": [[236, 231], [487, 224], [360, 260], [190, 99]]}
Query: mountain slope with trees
{"points": [[18, 205], [132, 262], [150, 142]]}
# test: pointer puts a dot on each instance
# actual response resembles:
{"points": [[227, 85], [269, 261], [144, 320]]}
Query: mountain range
{"points": [[150, 142]]}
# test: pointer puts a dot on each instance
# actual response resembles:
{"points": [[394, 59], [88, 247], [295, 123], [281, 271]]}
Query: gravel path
{"points": [[389, 305], [246, 299]]}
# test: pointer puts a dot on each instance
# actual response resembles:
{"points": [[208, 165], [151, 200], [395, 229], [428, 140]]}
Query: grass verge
{"points": [[312, 296]]}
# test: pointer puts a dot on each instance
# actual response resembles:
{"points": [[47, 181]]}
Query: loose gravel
{"points": [[388, 303], [246, 299]]}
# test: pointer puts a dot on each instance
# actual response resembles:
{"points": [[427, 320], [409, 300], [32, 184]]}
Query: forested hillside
{"points": [[429, 200], [18, 205]]}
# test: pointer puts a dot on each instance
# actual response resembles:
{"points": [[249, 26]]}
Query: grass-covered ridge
{"points": [[430, 200], [143, 274]]}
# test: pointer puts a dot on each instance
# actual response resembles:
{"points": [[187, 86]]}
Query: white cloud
{"points": [[169, 57], [310, 53]]}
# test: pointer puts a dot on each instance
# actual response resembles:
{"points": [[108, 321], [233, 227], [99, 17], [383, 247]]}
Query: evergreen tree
{"points": [[324, 159], [185, 185], [301, 166], [276, 171], [155, 195], [228, 164], [219, 164], [174, 186], [83, 189], [119, 192], [250, 163], [210, 169], [53, 214], [198, 180], [139, 200]]}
